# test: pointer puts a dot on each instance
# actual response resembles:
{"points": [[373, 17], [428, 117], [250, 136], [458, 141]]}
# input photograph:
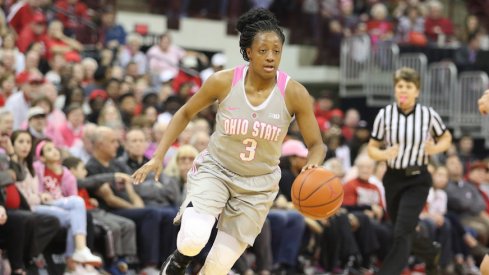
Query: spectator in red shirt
{"points": [[187, 82], [437, 27], [21, 14], [58, 42], [361, 193], [71, 13], [324, 110], [363, 198], [34, 32]]}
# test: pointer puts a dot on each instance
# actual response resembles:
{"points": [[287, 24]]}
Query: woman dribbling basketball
{"points": [[236, 179]]}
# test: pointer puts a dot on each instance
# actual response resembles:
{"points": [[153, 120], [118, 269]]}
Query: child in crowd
{"points": [[120, 232], [58, 194]]}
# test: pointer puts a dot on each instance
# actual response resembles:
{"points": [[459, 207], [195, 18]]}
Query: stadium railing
{"points": [[366, 71], [382, 62]]}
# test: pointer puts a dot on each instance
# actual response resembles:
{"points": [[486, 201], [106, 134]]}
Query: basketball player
{"points": [[484, 109], [411, 132], [236, 180]]}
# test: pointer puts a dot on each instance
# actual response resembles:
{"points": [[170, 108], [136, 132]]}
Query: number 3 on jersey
{"points": [[250, 149]]}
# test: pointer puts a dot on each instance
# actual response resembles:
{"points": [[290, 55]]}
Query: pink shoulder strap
{"points": [[282, 82], [238, 74]]}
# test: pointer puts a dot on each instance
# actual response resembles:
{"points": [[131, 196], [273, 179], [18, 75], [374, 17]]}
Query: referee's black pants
{"points": [[405, 199]]}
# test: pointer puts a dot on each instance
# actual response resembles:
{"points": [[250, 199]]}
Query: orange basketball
{"points": [[317, 193]]}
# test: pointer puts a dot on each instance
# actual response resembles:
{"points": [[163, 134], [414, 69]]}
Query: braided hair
{"points": [[253, 22]]}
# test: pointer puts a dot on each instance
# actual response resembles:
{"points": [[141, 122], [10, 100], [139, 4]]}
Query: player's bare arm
{"points": [[215, 88], [299, 103]]}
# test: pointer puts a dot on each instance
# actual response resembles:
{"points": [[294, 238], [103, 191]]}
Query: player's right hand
{"points": [[153, 165], [484, 103], [392, 152]]}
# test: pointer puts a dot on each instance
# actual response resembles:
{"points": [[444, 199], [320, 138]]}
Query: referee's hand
{"points": [[484, 103], [430, 147], [392, 151]]}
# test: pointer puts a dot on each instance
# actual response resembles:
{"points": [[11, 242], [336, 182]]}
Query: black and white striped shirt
{"points": [[409, 131]]}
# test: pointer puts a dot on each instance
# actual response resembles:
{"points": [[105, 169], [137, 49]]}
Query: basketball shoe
{"points": [[175, 264]]}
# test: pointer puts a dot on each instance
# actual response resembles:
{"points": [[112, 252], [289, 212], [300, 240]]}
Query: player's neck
{"points": [[258, 83]]}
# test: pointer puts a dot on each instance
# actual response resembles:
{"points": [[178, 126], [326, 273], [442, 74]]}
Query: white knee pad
{"points": [[224, 253], [194, 231]]}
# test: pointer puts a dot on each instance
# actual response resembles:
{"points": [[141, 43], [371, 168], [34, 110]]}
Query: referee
{"points": [[409, 132]]}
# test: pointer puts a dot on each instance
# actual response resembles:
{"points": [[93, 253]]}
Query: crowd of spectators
{"points": [[75, 124], [412, 24]]}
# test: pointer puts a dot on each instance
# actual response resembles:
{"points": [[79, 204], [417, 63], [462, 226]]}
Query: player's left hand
{"points": [[153, 165], [309, 166]]}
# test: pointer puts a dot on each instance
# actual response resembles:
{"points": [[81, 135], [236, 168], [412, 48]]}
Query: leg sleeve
{"points": [[224, 253]]}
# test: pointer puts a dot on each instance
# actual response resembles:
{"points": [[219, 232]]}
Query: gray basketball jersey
{"points": [[248, 139]]}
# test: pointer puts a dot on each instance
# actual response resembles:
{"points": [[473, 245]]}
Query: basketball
{"points": [[317, 193]]}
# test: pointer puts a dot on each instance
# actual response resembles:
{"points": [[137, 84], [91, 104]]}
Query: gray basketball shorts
{"points": [[240, 204]]}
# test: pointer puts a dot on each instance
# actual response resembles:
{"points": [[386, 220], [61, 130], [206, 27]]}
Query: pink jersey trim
{"points": [[238, 74], [282, 82]]}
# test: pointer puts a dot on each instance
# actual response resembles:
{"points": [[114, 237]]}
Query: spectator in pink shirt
{"points": [[71, 132], [58, 192], [379, 28], [164, 56], [50, 128], [55, 116]]}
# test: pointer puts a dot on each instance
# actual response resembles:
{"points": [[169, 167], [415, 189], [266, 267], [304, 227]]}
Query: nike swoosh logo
{"points": [[232, 108]]}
